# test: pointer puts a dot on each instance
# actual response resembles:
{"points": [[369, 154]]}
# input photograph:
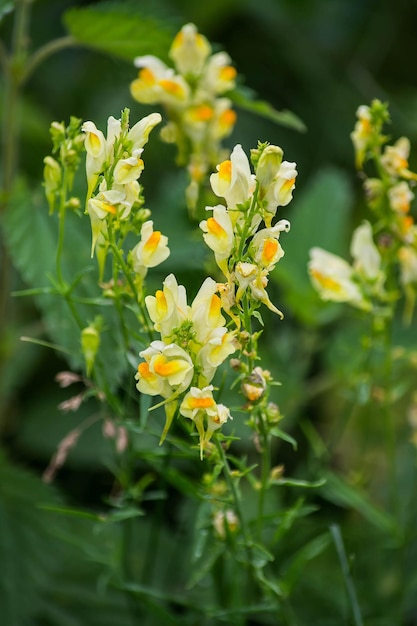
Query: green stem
{"points": [[44, 52], [125, 270], [265, 470], [344, 563]]}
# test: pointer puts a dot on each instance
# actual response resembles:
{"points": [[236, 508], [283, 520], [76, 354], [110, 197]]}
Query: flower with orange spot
{"points": [[233, 180], [189, 50], [169, 369], [219, 236], [400, 197], [145, 87], [168, 309], [151, 250], [332, 276], [267, 250], [395, 158], [362, 133]]}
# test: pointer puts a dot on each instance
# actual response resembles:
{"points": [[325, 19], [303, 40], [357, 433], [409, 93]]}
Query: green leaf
{"points": [[27, 547], [120, 29], [6, 7], [31, 237], [244, 99], [320, 216], [340, 492]]}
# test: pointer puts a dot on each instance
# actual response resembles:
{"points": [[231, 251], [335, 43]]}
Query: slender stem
{"points": [[265, 470], [341, 552], [44, 52], [122, 264], [235, 495]]}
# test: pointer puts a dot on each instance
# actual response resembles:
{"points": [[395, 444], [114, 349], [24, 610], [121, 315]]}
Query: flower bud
{"points": [[90, 342], [52, 175]]}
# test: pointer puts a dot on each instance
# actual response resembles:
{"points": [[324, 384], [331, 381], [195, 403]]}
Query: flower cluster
{"points": [[114, 197], [192, 96], [194, 339], [181, 365], [390, 194], [357, 283], [245, 254]]}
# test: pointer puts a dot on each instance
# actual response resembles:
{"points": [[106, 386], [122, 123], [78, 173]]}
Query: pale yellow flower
{"points": [[332, 276], [233, 180], [168, 309], [152, 248], [395, 158], [219, 235], [365, 254], [167, 368], [400, 197], [189, 50], [362, 133]]}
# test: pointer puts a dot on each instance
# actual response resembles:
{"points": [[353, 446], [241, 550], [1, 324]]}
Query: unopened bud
{"points": [[90, 342], [52, 175]]}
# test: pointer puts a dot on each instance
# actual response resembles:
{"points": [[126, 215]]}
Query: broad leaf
{"points": [[245, 99], [120, 29]]}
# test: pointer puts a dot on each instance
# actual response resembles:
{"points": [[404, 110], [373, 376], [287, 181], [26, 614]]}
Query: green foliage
{"points": [[120, 29], [320, 216]]}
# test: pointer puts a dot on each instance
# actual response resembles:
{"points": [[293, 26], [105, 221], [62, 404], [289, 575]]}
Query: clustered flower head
{"points": [[192, 94], [246, 254], [181, 365], [194, 339], [358, 283], [389, 192], [114, 165], [387, 247]]}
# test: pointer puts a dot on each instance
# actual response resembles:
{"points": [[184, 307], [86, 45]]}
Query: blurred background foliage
{"points": [[319, 59]]}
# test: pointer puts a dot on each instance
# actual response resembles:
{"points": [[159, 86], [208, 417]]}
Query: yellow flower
{"points": [[129, 169], [400, 197], [366, 258], [267, 249], [362, 133], [168, 308], [233, 180], [167, 368], [152, 248], [219, 236], [332, 276], [395, 158], [189, 50]]}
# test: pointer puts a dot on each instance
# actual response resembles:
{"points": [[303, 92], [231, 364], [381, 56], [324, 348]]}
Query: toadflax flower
{"points": [[151, 250], [332, 276]]}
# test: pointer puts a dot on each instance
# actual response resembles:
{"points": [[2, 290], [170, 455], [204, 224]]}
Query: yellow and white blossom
{"points": [[233, 180], [365, 254], [219, 75], [220, 345], [200, 406], [332, 276], [189, 50], [400, 197], [219, 235], [266, 247], [407, 257], [395, 158], [96, 148], [168, 309], [362, 133], [151, 250], [165, 370], [205, 311]]}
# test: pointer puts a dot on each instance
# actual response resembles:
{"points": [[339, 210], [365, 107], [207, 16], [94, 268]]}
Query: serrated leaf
{"points": [[119, 29], [244, 99]]}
